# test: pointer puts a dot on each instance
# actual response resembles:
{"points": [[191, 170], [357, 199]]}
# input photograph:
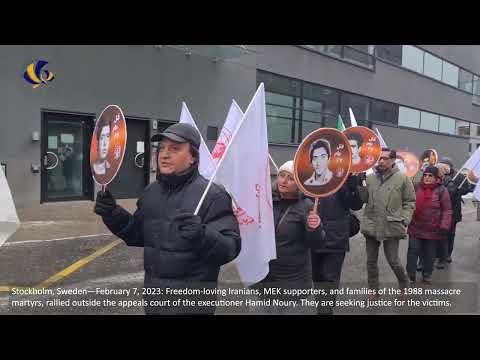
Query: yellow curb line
{"points": [[69, 270]]}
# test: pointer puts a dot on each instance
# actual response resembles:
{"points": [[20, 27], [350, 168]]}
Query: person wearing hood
{"points": [[430, 223], [445, 248], [297, 229], [181, 250], [390, 201]]}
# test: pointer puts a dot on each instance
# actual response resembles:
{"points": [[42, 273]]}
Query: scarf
{"points": [[424, 199]]}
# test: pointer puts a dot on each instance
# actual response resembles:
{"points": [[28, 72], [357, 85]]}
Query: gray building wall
{"points": [[144, 81], [417, 142], [150, 83]]}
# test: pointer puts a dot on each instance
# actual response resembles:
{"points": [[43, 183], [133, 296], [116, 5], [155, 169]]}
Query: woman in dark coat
{"points": [[297, 228], [430, 224]]}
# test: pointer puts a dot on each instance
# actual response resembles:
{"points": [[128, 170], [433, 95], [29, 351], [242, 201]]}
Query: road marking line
{"points": [[77, 265], [59, 239]]}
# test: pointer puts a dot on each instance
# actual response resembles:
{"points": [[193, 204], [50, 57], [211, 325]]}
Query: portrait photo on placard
{"points": [[322, 162], [366, 148], [108, 144], [407, 162]]}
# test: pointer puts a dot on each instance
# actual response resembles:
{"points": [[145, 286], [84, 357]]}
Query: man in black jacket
{"points": [[327, 262], [182, 251]]}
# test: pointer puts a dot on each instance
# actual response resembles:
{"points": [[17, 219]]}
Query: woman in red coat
{"points": [[430, 223]]}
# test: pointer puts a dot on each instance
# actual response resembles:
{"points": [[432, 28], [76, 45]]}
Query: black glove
{"points": [[190, 227], [105, 204]]}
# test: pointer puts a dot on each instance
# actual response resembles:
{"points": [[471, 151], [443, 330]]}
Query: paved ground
{"points": [[65, 246]]}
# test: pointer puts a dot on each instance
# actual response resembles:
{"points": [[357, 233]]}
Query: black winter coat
{"points": [[170, 260], [334, 212], [456, 192], [293, 239]]}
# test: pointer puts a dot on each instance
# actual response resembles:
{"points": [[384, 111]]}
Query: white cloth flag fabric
{"points": [[382, 142], [9, 222], [352, 118], [473, 163], [234, 116], [244, 170], [206, 166]]}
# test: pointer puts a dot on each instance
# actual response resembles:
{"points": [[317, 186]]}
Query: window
{"points": [[478, 130], [281, 120], [465, 80], [447, 125], [318, 102], [359, 53], [408, 117], [478, 145], [384, 112], [212, 133], [412, 58], [360, 106], [282, 97], [463, 128], [391, 53], [450, 74], [476, 89], [333, 49], [319, 98], [429, 121], [433, 66], [279, 84]]}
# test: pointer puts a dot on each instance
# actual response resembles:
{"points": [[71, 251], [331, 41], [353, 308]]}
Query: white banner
{"points": [[234, 116], [206, 166], [245, 172], [9, 222], [473, 163], [382, 142], [352, 118]]}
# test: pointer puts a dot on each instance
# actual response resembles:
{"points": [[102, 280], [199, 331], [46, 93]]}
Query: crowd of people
{"points": [[184, 250]]}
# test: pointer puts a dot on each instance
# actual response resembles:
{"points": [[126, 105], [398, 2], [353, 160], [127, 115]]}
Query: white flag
{"points": [[234, 116], [352, 118], [382, 142], [206, 166], [473, 163], [476, 192], [244, 170], [9, 222]]}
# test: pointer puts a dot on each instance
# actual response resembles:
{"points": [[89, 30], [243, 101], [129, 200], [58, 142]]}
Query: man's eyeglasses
{"points": [[384, 158], [428, 175]]}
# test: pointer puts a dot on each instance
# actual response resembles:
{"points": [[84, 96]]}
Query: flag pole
{"points": [[464, 166], [458, 172], [220, 162], [273, 162]]}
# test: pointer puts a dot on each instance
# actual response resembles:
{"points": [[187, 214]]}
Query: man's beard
{"points": [[380, 169]]}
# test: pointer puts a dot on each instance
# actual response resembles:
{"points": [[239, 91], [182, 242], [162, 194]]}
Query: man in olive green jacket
{"points": [[390, 201]]}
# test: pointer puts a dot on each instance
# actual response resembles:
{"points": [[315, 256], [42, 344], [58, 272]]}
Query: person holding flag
{"points": [[182, 250], [297, 229], [457, 187]]}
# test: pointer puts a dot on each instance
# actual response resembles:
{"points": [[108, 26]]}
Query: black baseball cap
{"points": [[180, 133]]}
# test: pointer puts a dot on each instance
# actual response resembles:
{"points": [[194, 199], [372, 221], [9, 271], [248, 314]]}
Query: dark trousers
{"points": [[424, 249], [445, 246], [326, 273], [390, 248]]}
